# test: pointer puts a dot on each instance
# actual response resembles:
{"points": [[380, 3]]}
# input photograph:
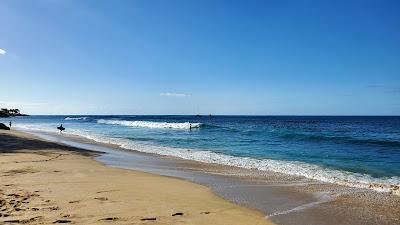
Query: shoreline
{"points": [[45, 182], [289, 168], [283, 199]]}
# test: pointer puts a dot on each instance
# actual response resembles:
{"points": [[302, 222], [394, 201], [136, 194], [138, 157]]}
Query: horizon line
{"points": [[206, 115]]}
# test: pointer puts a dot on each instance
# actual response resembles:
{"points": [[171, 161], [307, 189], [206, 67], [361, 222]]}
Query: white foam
{"points": [[321, 198], [150, 124], [389, 184], [76, 118], [38, 127]]}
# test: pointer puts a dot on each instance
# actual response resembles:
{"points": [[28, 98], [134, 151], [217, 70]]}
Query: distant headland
{"points": [[4, 112]]}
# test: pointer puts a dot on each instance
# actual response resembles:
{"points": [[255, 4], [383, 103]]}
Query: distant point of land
{"points": [[4, 112]]}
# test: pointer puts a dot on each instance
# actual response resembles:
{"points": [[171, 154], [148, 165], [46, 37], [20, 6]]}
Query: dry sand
{"points": [[45, 183]]}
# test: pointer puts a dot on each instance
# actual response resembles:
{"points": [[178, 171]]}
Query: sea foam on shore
{"points": [[389, 184]]}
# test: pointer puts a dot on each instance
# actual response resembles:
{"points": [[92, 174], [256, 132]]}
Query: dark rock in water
{"points": [[3, 127]]}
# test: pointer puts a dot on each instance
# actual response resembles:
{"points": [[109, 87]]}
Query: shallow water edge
{"points": [[283, 199]]}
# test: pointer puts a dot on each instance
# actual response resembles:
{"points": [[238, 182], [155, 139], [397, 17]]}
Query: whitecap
{"points": [[150, 124], [76, 118]]}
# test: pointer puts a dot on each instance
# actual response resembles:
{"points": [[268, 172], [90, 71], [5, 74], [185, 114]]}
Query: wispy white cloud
{"points": [[169, 94], [2, 51]]}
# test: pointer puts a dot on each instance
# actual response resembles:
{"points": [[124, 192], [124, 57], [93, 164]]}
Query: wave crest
{"points": [[150, 124], [76, 118]]}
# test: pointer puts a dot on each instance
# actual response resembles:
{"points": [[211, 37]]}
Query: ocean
{"points": [[355, 151]]}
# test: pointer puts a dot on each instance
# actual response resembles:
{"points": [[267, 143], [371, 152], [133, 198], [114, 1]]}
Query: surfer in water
{"points": [[61, 128], [190, 126]]}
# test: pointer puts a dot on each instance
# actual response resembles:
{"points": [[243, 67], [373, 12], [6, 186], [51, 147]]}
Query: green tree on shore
{"points": [[4, 112]]}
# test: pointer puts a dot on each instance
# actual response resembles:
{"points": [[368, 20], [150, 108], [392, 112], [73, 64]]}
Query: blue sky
{"points": [[190, 57]]}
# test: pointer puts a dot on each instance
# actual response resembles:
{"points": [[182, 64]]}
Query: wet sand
{"points": [[48, 183], [283, 199]]}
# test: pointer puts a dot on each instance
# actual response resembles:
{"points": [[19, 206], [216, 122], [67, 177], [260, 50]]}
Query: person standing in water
{"points": [[61, 128], [190, 126], [10, 124]]}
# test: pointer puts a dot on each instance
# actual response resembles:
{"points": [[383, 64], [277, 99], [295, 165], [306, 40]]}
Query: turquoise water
{"points": [[358, 151]]}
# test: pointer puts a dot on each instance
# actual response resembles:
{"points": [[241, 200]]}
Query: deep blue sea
{"points": [[351, 150]]}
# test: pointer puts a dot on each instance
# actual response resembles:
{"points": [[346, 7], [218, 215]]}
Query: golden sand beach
{"points": [[45, 183]]}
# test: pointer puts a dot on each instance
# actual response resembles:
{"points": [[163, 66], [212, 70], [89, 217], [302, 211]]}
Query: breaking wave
{"points": [[76, 118], [150, 124]]}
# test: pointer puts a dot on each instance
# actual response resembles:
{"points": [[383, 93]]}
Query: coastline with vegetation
{"points": [[4, 112]]}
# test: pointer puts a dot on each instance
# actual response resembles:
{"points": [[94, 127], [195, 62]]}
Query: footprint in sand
{"points": [[178, 214], [14, 195], [76, 201], [62, 221], [102, 198], [150, 218], [109, 219], [54, 208], [106, 191], [22, 221]]}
